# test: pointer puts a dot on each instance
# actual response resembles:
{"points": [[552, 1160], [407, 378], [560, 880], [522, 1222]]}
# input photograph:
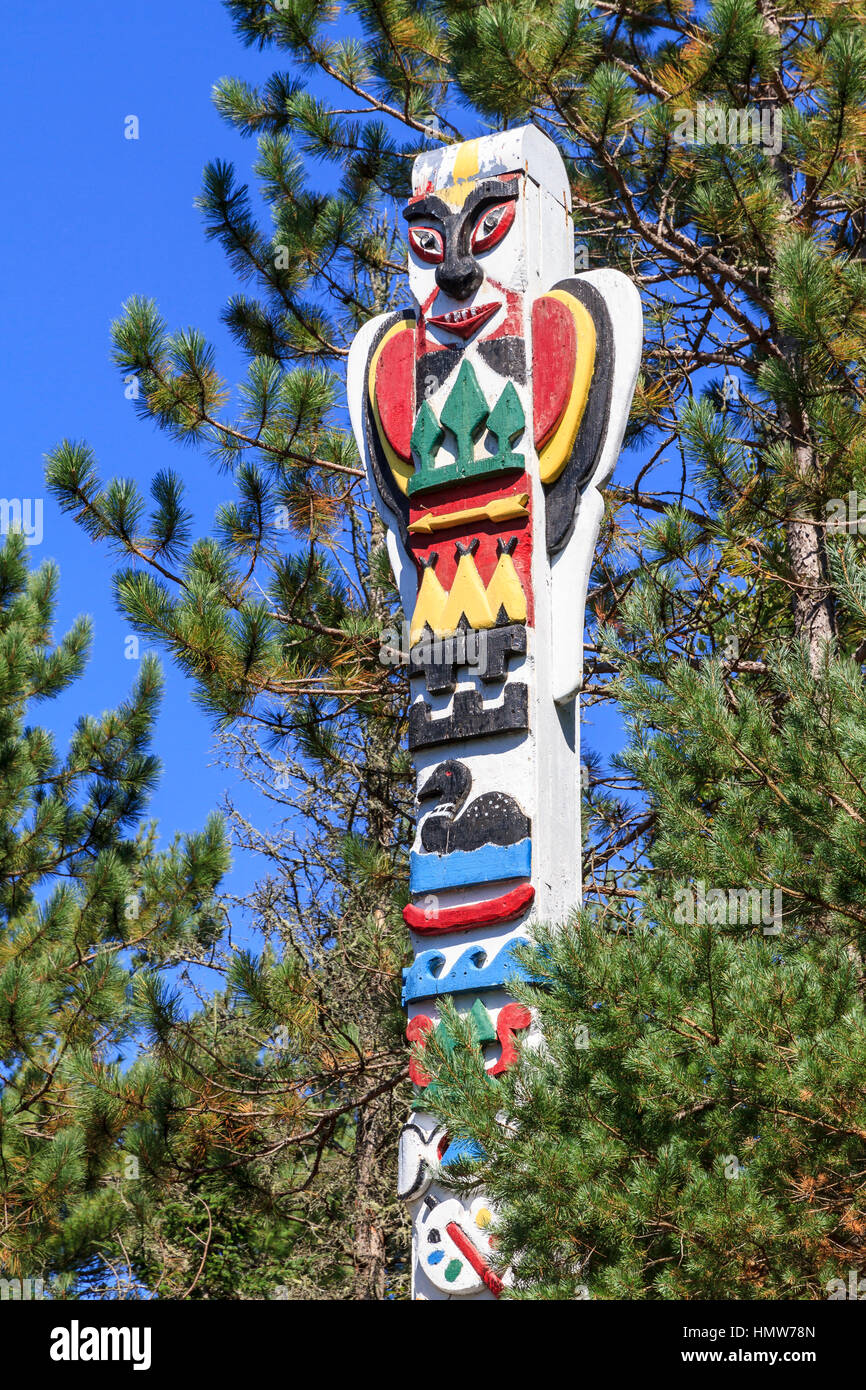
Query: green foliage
{"points": [[694, 1125], [90, 911]]}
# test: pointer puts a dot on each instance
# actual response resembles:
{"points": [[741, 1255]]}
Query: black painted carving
{"points": [[439, 659], [459, 273], [433, 369], [562, 495], [469, 718], [507, 356], [491, 819]]}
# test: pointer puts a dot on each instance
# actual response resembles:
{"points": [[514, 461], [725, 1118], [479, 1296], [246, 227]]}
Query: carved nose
{"points": [[459, 276]]}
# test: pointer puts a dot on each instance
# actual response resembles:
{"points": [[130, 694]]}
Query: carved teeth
{"points": [[465, 321]]}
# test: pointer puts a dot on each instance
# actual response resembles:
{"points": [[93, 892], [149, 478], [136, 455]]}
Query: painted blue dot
{"points": [[436, 1257]]}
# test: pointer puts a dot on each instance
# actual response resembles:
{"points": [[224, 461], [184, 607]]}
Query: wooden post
{"points": [[488, 417]]}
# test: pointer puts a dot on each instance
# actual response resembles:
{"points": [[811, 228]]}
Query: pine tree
{"points": [[726, 617], [92, 915]]}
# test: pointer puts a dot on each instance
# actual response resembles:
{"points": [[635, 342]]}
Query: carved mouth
{"points": [[464, 322]]}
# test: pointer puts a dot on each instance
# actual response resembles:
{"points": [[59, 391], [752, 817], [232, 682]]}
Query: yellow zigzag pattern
{"points": [[442, 609]]}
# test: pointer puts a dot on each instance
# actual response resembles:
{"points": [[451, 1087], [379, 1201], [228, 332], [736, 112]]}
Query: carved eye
{"points": [[427, 243], [492, 226]]}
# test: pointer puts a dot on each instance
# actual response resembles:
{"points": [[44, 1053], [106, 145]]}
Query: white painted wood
{"points": [[525, 148], [571, 567]]}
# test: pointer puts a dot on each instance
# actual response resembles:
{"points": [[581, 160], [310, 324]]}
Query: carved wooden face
{"points": [[465, 256], [453, 1245]]}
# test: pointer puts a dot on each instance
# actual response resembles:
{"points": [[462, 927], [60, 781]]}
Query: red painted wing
{"points": [[554, 355], [395, 391]]}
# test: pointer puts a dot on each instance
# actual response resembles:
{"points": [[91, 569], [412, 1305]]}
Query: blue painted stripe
{"points": [[472, 972], [427, 872]]}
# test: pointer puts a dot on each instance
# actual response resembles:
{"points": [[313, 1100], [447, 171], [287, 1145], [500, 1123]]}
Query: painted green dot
{"points": [[454, 1268]]}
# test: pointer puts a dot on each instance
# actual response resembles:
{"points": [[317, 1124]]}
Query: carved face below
{"points": [[466, 267], [453, 1246]]}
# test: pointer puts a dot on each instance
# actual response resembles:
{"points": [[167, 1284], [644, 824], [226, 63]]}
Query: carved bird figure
{"points": [[491, 819]]}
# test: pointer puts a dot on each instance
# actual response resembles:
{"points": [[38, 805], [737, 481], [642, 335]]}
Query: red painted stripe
{"points": [[470, 494], [433, 922], [416, 1031], [475, 1258]]}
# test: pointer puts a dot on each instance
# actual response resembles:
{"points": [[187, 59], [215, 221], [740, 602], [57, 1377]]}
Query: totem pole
{"points": [[488, 417]]}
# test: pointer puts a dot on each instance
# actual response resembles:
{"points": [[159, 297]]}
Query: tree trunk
{"points": [[369, 1243], [812, 600], [814, 617], [374, 1128]]}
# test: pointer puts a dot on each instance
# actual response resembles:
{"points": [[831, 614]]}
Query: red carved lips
{"points": [[464, 322]]}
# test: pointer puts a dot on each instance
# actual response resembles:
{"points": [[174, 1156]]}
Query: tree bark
{"points": [[812, 600], [814, 616], [375, 1120], [369, 1243]]}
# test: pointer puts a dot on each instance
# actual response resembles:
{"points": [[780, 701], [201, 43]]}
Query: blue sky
{"points": [[91, 218]]}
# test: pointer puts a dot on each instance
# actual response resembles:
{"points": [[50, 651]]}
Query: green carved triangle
{"points": [[427, 435], [482, 1023], [464, 414], [506, 422]]}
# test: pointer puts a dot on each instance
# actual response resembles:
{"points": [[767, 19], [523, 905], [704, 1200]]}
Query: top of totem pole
{"points": [[525, 150]]}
